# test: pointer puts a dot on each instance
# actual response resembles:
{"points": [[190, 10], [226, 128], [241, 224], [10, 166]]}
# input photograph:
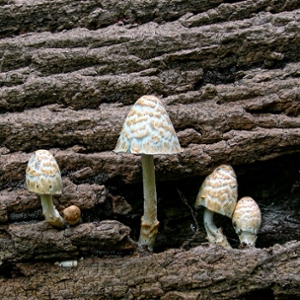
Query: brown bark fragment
{"points": [[41, 241]]}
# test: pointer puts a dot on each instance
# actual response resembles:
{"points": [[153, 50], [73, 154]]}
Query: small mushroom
{"points": [[148, 130], [43, 178], [246, 221], [218, 194], [72, 215]]}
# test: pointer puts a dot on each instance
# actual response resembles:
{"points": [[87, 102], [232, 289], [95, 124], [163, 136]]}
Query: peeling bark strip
{"points": [[22, 16], [201, 273]]}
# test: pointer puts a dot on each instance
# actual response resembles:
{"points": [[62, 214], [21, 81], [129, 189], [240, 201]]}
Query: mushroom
{"points": [[218, 194], [43, 178], [148, 130], [72, 215], [246, 221]]}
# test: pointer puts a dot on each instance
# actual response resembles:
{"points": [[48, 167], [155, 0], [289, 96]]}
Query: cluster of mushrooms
{"points": [[148, 131], [218, 194]]}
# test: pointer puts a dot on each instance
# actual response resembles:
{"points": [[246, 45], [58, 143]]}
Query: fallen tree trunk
{"points": [[228, 75], [201, 273], [42, 241]]}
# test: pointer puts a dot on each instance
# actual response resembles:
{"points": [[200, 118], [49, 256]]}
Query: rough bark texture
{"points": [[228, 73], [201, 273]]}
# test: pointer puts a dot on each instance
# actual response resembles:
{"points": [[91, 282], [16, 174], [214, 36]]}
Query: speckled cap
{"points": [[43, 174], [218, 192], [247, 216], [148, 129]]}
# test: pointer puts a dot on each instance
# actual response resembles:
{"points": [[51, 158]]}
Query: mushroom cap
{"points": [[218, 191], [148, 129], [43, 174], [72, 214], [246, 216]]}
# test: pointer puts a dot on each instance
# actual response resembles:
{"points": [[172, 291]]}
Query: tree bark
{"points": [[228, 75], [200, 273]]}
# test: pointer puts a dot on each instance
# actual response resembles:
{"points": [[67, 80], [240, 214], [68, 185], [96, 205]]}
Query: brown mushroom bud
{"points": [[246, 221], [72, 215], [218, 194], [148, 130]]}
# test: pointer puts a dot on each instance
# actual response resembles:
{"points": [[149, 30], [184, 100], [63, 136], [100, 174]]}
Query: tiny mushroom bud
{"points": [[246, 221], [43, 178], [218, 194], [72, 215], [148, 130]]}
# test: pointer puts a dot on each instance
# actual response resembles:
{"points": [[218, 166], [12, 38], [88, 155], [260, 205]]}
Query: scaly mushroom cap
{"points": [[43, 174], [72, 214], [148, 129], [218, 192], [246, 216]]}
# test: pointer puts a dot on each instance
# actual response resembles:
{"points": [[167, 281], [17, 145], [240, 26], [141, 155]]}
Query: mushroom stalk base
{"points": [[247, 239], [50, 213], [148, 234], [149, 223], [214, 234]]}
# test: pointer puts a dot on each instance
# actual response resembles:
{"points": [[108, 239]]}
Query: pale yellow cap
{"points": [[247, 216], [43, 174], [218, 192], [148, 129]]}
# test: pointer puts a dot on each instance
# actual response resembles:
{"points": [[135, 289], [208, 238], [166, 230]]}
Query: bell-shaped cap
{"points": [[218, 192], [148, 129], [247, 216], [43, 174]]}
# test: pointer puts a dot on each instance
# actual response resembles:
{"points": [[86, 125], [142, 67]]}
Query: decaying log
{"points": [[201, 273], [228, 75], [254, 116], [42, 241]]}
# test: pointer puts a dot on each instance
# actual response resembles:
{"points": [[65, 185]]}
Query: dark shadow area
{"points": [[266, 294]]}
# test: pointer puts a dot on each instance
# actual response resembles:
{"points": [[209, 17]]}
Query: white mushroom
{"points": [[72, 214], [43, 178], [218, 194], [246, 221], [148, 130]]}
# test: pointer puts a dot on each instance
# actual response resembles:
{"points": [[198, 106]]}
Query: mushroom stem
{"points": [[214, 234], [149, 223], [52, 216]]}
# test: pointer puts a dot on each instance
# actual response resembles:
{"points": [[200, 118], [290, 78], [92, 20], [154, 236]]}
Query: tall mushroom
{"points": [[246, 221], [43, 178], [218, 194], [148, 130]]}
